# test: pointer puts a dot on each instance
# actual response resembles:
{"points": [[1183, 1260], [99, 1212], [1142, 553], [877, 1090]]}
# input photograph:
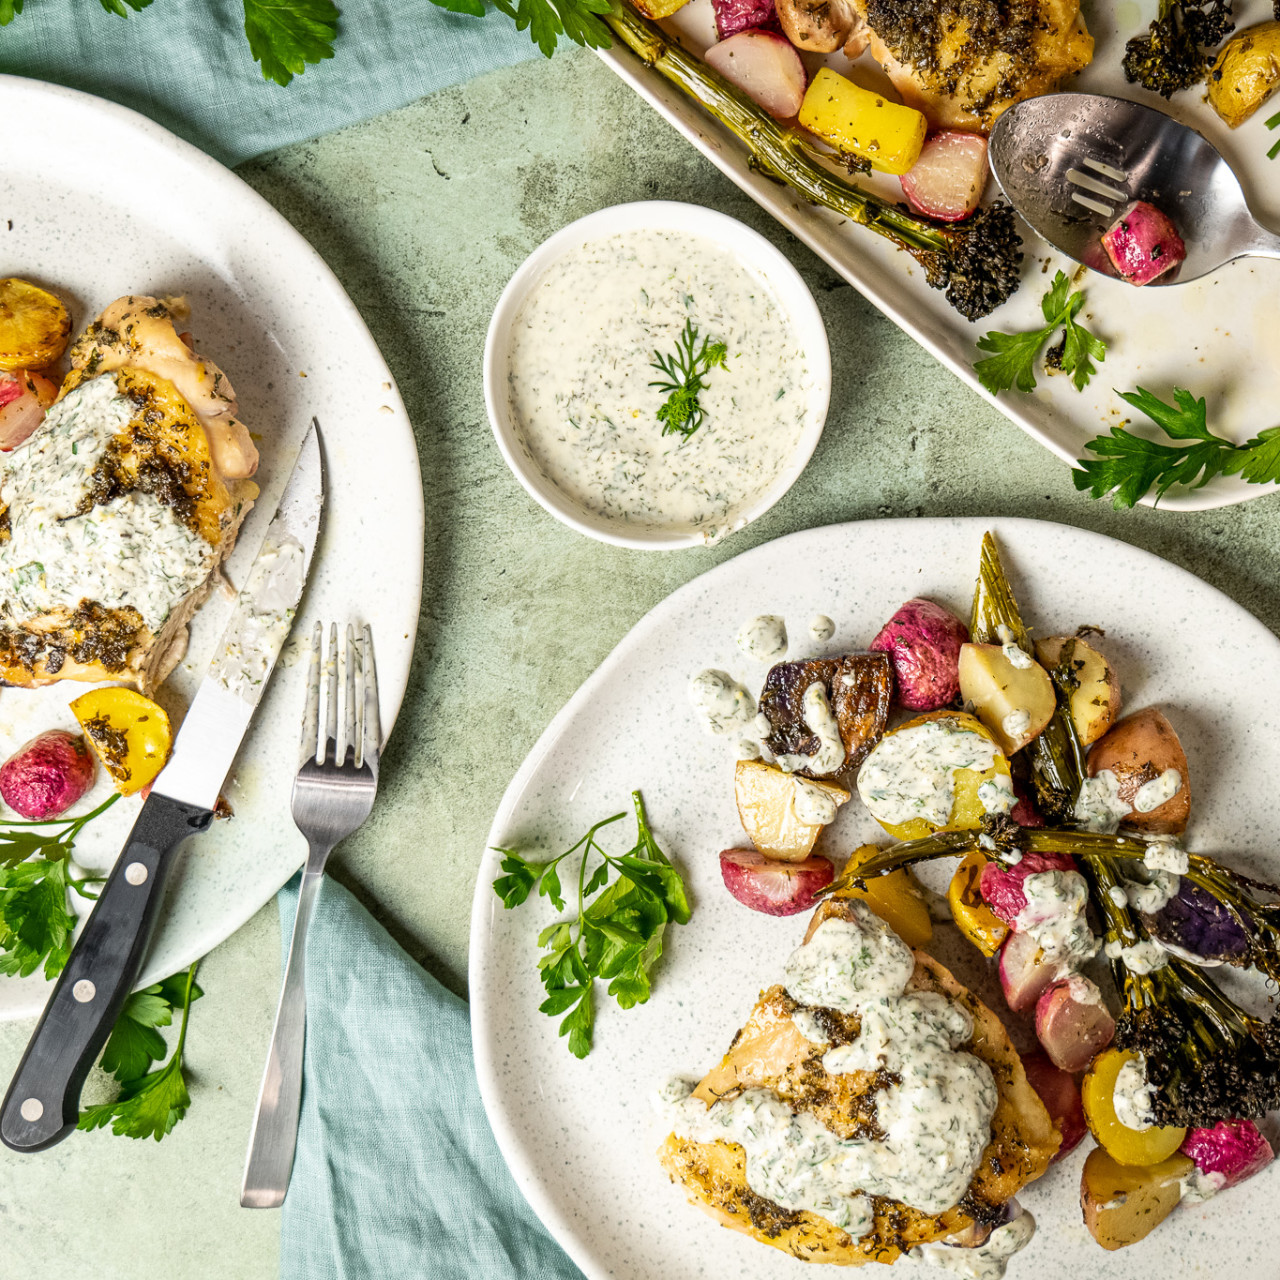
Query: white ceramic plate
{"points": [[755, 255], [1216, 336], [580, 1137], [95, 202]]}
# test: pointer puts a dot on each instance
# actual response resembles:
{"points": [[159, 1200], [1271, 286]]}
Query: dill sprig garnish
{"points": [[684, 377]]}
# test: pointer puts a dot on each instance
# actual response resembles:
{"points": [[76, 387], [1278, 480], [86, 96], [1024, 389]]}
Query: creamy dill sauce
{"points": [[764, 638], [1149, 898], [818, 717], [265, 608], [1055, 916], [579, 375], [1132, 1095], [130, 552], [1141, 957], [725, 706], [821, 628], [1098, 807], [986, 1261], [911, 773], [1164, 853], [813, 805], [1151, 795], [935, 1114]]}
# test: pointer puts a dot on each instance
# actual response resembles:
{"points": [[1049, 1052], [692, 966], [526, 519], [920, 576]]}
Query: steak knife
{"points": [[43, 1101]]}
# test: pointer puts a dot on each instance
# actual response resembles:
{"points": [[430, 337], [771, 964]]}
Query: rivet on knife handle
{"points": [[43, 1102]]}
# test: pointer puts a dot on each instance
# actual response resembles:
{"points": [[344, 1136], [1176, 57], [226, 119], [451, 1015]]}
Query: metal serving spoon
{"points": [[1070, 163]]}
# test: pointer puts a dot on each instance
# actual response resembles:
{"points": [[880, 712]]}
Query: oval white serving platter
{"points": [[141, 211], [1215, 336], [581, 1137]]}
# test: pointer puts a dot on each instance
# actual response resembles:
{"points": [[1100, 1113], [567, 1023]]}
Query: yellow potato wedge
{"points": [[1122, 1204], [34, 326], [896, 898], [767, 807], [1246, 73], [1095, 704], [857, 122], [130, 733]]}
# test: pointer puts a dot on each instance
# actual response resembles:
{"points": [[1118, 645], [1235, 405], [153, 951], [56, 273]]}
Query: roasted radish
{"points": [[24, 396], [1002, 887], [47, 776], [775, 888], [1025, 972], [923, 641], [733, 16], [1061, 1097], [1227, 1154], [1072, 1023], [765, 66], [1143, 244], [948, 179]]}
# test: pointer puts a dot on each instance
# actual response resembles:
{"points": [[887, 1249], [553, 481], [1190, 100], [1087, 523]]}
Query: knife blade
{"points": [[42, 1104]]}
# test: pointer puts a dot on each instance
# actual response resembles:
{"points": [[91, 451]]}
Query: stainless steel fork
{"points": [[332, 795]]}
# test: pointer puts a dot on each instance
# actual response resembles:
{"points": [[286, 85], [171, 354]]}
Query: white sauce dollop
{"points": [[1198, 1187], [986, 1261], [911, 773], [1098, 807], [726, 707], [764, 638], [996, 795], [1151, 795], [1016, 723], [819, 717], [1017, 657], [821, 628], [579, 381], [1141, 957], [936, 1118], [1132, 1096], [1149, 898], [813, 805], [1055, 916], [1164, 853]]}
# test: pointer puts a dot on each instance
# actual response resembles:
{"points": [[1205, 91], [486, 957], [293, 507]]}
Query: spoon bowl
{"points": [[1071, 163]]}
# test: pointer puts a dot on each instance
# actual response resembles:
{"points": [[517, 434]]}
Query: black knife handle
{"points": [[43, 1102]]}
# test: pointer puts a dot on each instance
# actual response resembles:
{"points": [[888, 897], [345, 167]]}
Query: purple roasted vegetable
{"points": [[733, 16], [1199, 926], [1143, 244], [1230, 1152]]}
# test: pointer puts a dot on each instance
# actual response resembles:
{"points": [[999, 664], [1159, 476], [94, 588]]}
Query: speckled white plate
{"points": [[1216, 336], [580, 1137], [97, 201]]}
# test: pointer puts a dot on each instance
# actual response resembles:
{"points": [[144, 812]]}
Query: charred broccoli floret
{"points": [[1175, 52], [975, 262]]}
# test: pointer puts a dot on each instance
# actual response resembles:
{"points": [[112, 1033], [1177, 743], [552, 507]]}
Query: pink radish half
{"points": [[1072, 1023], [948, 180], [775, 888], [733, 16], [1233, 1150], [1024, 972], [1143, 244], [765, 66]]}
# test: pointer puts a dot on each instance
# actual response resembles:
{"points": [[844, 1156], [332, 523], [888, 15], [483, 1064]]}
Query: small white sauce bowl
{"points": [[755, 253]]}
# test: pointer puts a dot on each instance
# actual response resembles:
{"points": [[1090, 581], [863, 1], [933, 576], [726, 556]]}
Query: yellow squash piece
{"points": [[34, 326], [130, 733], [896, 898], [973, 917], [1136, 1147], [857, 122]]}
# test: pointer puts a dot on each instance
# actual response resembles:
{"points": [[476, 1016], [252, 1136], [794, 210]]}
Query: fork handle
{"points": [[274, 1135], [43, 1102]]}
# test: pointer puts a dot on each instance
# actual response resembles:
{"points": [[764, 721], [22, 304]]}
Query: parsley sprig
{"points": [[35, 875], [1128, 467], [1013, 362], [150, 1103], [1274, 123], [617, 937], [683, 377]]}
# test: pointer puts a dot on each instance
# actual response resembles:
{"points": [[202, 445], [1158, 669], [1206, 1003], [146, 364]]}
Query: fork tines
{"points": [[361, 728]]}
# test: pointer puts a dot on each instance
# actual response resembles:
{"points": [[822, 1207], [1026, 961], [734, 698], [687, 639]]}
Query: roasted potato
{"points": [[34, 326], [859, 688], [767, 807], [1122, 1204], [1246, 73], [888, 770], [1015, 703], [1095, 704], [1143, 753]]}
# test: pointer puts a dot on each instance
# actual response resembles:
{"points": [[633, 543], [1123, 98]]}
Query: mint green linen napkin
{"points": [[397, 1175], [186, 64]]}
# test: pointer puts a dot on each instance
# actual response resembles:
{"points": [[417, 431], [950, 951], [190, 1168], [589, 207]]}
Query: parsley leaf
{"points": [[1013, 359], [135, 1043], [9, 9], [1128, 467], [547, 20], [149, 1106], [287, 35], [121, 7], [616, 938], [684, 375]]}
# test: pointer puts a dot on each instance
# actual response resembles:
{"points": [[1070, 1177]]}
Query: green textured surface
{"points": [[424, 214]]}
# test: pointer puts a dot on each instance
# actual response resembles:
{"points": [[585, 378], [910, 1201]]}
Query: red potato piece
{"points": [[1123, 1204], [1025, 974], [948, 180], [48, 775], [24, 397], [1072, 1023], [765, 66], [1061, 1096], [1001, 887], [923, 641], [1232, 1150], [1139, 750], [733, 16], [1143, 244], [774, 888]]}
